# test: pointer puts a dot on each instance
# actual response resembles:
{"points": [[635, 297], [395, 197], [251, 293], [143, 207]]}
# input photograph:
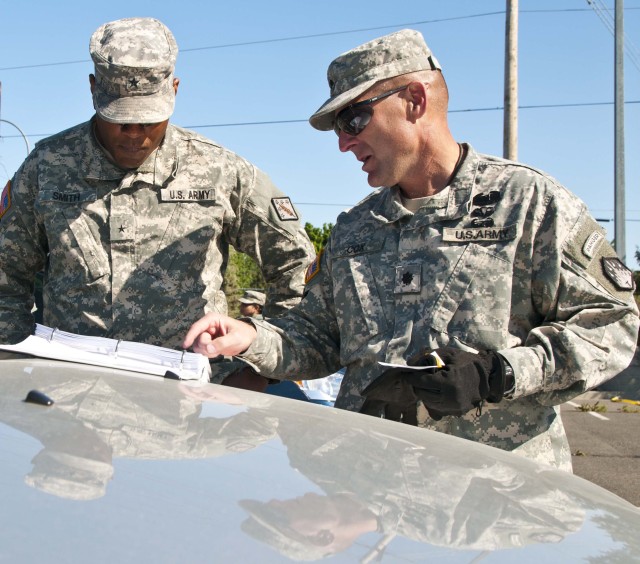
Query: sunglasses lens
{"points": [[353, 120]]}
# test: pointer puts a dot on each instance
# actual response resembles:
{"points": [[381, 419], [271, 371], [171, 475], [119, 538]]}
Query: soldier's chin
{"points": [[130, 159]]}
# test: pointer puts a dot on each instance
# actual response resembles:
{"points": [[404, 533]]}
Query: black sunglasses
{"points": [[354, 118]]}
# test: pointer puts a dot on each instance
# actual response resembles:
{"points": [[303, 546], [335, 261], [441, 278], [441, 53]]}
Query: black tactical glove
{"points": [[390, 397], [465, 380]]}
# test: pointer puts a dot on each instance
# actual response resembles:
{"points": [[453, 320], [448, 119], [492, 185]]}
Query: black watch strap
{"points": [[509, 379]]}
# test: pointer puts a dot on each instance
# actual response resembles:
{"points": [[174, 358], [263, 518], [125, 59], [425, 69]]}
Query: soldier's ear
{"points": [[176, 82], [92, 82], [416, 94]]}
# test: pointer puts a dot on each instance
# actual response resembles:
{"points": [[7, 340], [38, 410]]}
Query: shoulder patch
{"points": [[586, 241], [5, 199], [592, 243], [616, 271], [589, 249], [313, 268], [284, 208]]}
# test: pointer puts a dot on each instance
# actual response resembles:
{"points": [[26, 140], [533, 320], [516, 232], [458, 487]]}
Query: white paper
{"points": [[101, 351], [439, 363]]}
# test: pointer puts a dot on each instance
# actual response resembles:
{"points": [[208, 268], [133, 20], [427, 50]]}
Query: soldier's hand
{"points": [[465, 380], [216, 334], [390, 396]]}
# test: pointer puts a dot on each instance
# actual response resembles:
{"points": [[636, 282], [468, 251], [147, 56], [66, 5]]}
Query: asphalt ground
{"points": [[604, 435]]}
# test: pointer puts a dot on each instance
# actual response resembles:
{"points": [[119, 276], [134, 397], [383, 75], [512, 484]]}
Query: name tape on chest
{"points": [[67, 197], [491, 234], [187, 195]]}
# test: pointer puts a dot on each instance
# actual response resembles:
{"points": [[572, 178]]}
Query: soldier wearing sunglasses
{"points": [[467, 294]]}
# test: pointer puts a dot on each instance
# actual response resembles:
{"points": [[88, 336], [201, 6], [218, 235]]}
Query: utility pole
{"points": [[618, 152], [510, 135]]}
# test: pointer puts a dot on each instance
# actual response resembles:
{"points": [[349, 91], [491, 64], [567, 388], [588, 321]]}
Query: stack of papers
{"points": [[47, 342]]}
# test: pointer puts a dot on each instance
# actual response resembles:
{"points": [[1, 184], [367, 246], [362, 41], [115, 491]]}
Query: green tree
{"points": [[318, 235], [242, 274]]}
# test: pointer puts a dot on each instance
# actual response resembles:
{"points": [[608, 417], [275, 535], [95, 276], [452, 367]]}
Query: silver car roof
{"points": [[128, 468]]}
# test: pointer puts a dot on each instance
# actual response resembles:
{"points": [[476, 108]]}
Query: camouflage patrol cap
{"points": [[134, 60], [69, 476], [355, 71], [253, 297]]}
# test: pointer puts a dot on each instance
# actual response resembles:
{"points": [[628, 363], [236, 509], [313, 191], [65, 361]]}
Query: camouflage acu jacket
{"points": [[504, 259], [140, 254]]}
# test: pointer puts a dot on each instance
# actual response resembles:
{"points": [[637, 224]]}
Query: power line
{"points": [[325, 34], [284, 121], [607, 19]]}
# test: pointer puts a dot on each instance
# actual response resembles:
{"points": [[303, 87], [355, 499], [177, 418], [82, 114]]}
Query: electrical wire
{"points": [[608, 20], [325, 34]]}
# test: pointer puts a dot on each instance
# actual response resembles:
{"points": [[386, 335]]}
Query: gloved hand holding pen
{"points": [[461, 383]]}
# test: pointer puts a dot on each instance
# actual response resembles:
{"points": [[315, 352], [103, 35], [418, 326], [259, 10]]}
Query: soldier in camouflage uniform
{"points": [[252, 304], [114, 417], [400, 489], [492, 263], [131, 217]]}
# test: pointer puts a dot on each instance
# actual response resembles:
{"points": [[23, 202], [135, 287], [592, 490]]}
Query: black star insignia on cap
{"points": [[133, 82]]}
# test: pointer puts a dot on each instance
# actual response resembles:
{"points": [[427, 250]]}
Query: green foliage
{"points": [[242, 274], [593, 407], [318, 235]]}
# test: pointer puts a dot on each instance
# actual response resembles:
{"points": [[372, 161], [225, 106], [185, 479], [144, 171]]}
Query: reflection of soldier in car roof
{"points": [[401, 490], [130, 418]]}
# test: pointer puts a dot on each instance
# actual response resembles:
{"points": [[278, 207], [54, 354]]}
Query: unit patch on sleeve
{"points": [[284, 208], [616, 271], [5, 199], [313, 268]]}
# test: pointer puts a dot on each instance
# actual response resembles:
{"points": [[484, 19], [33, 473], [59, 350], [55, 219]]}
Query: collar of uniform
{"points": [[156, 169], [97, 165], [162, 164], [389, 208], [462, 183], [458, 196]]}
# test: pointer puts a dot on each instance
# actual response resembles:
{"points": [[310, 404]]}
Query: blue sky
{"points": [[250, 62]]}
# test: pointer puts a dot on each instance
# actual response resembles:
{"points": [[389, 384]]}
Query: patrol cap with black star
{"points": [[134, 60], [355, 71]]}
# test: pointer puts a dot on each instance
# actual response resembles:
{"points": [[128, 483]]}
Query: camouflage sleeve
{"points": [[585, 296], [304, 343], [268, 229], [22, 254]]}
